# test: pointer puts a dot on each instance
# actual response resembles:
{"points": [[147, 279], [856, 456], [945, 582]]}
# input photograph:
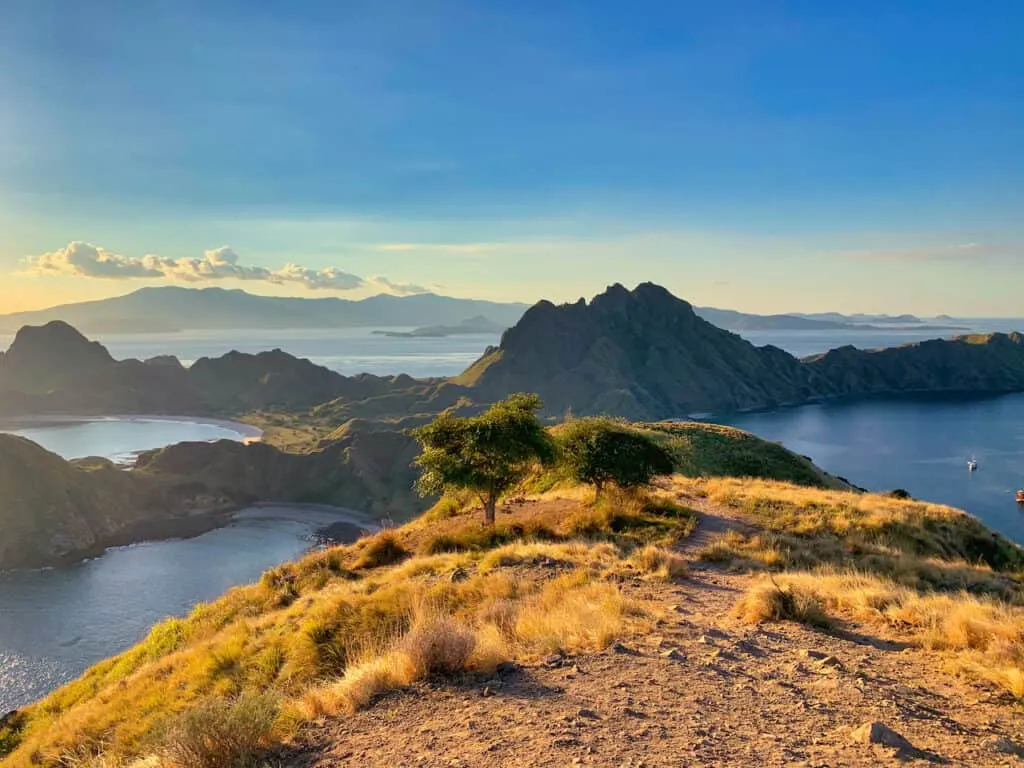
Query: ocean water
{"points": [[347, 350], [919, 444], [56, 622], [121, 438]]}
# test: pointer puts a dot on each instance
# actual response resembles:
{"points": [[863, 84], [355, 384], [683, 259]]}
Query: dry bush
{"points": [[438, 645], [385, 548], [660, 563], [983, 636], [221, 733], [768, 601]]}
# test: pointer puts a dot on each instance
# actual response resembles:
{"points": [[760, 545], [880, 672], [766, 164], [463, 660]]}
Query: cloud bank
{"points": [[80, 259]]}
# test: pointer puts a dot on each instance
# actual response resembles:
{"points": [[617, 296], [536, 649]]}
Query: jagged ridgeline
{"points": [[641, 354], [646, 354]]}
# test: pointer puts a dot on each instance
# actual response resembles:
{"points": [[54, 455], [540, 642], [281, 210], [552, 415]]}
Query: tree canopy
{"points": [[599, 451], [486, 454]]}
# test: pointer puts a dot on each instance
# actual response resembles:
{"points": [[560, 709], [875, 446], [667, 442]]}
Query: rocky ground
{"points": [[702, 690]]}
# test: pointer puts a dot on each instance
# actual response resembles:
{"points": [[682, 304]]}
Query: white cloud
{"points": [[88, 260], [403, 289], [84, 260], [315, 279]]}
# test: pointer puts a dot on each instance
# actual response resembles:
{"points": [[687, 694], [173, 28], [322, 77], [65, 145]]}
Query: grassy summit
{"points": [[558, 574]]}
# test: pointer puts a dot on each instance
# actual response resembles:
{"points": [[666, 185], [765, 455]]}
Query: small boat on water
{"points": [[972, 465], [1020, 497]]}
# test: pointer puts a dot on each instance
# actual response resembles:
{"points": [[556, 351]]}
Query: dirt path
{"points": [[701, 691], [714, 522]]}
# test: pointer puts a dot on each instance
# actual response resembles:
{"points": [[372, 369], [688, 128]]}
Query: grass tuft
{"points": [[380, 550], [221, 733], [768, 601]]}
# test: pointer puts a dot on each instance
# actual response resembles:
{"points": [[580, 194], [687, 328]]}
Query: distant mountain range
{"points": [[825, 321], [643, 354], [173, 308], [170, 308]]}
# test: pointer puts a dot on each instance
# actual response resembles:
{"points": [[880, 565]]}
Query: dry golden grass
{"points": [[660, 562], [379, 550], [919, 545], [982, 635], [332, 631], [571, 615], [221, 733]]}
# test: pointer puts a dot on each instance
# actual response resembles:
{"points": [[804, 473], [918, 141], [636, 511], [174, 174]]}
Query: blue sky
{"points": [[769, 156]]}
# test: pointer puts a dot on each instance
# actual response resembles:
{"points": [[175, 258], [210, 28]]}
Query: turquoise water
{"points": [[921, 445]]}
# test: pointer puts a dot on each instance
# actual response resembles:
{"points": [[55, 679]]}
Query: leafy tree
{"points": [[600, 451], [486, 454]]}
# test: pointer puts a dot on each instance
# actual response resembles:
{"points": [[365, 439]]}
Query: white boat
{"points": [[972, 465]]}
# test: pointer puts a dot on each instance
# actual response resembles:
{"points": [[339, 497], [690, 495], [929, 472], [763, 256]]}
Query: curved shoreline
{"points": [[247, 432]]}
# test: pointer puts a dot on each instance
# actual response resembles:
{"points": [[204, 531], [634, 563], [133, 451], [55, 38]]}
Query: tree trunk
{"points": [[490, 503]]}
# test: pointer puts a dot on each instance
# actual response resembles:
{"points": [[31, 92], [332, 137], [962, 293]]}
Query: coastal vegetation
{"points": [[486, 454], [555, 574], [601, 452]]}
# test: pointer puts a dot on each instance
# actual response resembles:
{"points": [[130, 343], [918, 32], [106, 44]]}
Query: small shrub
{"points": [[659, 562], [767, 601], [439, 645], [10, 732], [600, 452], [381, 550], [221, 733]]}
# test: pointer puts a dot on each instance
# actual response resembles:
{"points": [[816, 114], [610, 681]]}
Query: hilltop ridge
{"points": [[730, 621], [647, 354]]}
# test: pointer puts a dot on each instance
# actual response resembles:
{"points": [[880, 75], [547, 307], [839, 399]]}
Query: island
{"points": [[474, 326]]}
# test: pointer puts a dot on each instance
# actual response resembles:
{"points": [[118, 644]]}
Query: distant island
{"points": [[174, 308], [168, 309], [732, 320], [475, 325]]}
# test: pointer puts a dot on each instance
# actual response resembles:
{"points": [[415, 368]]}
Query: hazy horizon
{"points": [[797, 158], [527, 303]]}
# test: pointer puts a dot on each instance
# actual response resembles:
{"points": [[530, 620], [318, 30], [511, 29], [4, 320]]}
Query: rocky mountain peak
{"points": [[41, 356]]}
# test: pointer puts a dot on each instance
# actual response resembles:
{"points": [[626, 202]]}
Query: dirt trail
{"points": [[702, 690], [714, 522]]}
